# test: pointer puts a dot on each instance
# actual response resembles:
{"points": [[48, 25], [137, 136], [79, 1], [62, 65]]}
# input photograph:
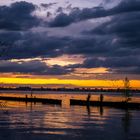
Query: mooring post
{"points": [[26, 96], [32, 95], [34, 99], [26, 99], [88, 99], [101, 98]]}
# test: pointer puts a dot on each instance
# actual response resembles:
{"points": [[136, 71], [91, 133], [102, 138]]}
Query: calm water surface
{"points": [[21, 121]]}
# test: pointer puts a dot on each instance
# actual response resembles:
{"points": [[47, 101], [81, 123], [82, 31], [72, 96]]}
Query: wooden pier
{"points": [[22, 99], [106, 103], [75, 99]]}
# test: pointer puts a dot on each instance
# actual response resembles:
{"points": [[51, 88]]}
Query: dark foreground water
{"points": [[20, 121]]}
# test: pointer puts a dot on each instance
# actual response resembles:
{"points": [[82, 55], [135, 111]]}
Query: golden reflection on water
{"points": [[50, 132], [40, 119], [51, 116]]}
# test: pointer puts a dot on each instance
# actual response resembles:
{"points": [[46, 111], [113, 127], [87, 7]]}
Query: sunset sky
{"points": [[94, 43]]}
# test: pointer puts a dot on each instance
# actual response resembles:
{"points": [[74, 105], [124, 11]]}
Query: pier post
{"points": [[34, 99], [26, 99], [26, 96], [101, 98], [88, 99]]}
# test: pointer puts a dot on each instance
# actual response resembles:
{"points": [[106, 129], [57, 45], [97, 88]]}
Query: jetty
{"points": [[74, 99]]}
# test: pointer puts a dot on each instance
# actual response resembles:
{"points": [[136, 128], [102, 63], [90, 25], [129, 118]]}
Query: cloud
{"points": [[77, 14], [116, 65], [7, 38], [112, 62], [121, 35], [30, 45], [48, 5], [18, 16], [35, 67], [59, 70], [113, 44]]}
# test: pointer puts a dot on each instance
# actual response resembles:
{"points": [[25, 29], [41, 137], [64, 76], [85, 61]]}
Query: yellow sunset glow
{"points": [[87, 83]]}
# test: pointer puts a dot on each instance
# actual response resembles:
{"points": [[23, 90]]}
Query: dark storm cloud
{"points": [[124, 26], [122, 33], [87, 46], [76, 14], [131, 70], [120, 65], [30, 45], [114, 44], [59, 70], [18, 16], [7, 38], [22, 67], [113, 62], [32, 67]]}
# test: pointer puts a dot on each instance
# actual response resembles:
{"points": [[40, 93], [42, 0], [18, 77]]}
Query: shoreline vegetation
{"points": [[70, 89]]}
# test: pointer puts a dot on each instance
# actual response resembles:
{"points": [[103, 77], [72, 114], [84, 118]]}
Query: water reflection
{"points": [[37, 121], [126, 120], [101, 110], [88, 110]]}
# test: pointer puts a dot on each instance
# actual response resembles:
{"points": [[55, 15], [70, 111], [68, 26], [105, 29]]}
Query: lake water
{"points": [[21, 121]]}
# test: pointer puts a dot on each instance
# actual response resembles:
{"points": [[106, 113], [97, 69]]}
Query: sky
{"points": [[70, 42]]}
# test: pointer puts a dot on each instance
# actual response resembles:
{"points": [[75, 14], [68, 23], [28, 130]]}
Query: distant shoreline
{"points": [[118, 90]]}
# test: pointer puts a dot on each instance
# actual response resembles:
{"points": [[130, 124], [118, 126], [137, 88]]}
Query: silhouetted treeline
{"points": [[69, 89]]}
